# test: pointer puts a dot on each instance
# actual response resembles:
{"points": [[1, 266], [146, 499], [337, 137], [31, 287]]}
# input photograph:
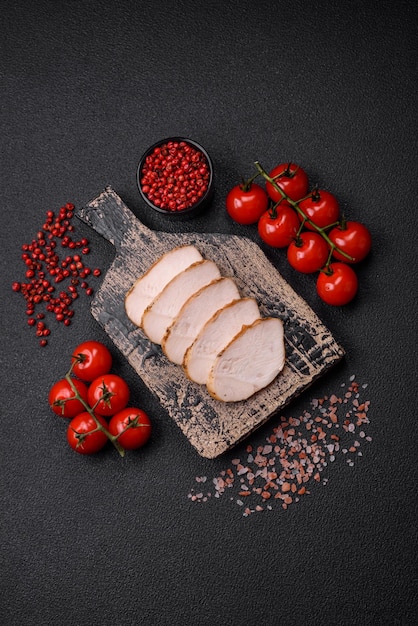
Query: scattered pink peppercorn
{"points": [[43, 266]]}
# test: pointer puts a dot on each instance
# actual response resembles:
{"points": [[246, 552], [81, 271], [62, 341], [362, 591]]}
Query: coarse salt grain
{"points": [[301, 451]]}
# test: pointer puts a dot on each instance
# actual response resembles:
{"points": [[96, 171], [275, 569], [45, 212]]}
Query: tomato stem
{"points": [[99, 426], [273, 209], [315, 195], [328, 263], [301, 227], [304, 218], [343, 223], [79, 358], [246, 184], [132, 424]]}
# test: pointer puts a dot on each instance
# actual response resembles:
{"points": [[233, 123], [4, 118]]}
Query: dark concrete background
{"points": [[85, 88]]}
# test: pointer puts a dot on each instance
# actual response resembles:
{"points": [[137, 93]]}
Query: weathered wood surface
{"points": [[211, 426]]}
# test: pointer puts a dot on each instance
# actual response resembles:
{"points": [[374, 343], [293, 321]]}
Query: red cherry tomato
{"points": [[291, 178], [322, 208], [246, 205], [308, 253], [78, 435], [110, 392], [338, 285], [352, 238], [137, 434], [62, 399], [92, 359], [278, 227]]}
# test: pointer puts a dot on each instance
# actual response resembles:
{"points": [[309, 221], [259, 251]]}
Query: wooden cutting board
{"points": [[211, 426]]}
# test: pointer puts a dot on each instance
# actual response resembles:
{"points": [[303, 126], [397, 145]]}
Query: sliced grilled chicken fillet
{"points": [[163, 310], [250, 362], [196, 311], [150, 284], [217, 333]]}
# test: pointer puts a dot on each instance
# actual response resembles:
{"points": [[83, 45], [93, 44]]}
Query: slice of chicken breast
{"points": [[196, 311], [149, 285], [218, 331], [163, 310], [250, 362]]}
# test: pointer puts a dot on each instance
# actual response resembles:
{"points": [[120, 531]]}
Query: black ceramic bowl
{"points": [[197, 207]]}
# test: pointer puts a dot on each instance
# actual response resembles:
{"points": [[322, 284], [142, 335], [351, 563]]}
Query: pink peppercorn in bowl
{"points": [[175, 178]]}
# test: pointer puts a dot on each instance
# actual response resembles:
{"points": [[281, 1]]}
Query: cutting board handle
{"points": [[110, 217]]}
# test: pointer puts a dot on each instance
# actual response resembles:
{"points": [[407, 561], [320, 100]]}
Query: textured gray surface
{"points": [[86, 87]]}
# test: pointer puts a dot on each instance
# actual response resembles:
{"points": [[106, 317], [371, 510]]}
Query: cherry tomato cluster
{"points": [[308, 224], [89, 395]]}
